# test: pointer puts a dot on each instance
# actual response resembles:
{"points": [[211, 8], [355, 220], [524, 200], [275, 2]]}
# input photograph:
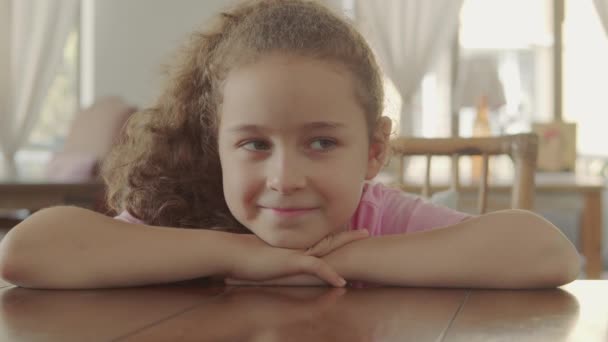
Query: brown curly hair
{"points": [[166, 169]]}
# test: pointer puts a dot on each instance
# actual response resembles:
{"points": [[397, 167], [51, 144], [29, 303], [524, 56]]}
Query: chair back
{"points": [[522, 148]]}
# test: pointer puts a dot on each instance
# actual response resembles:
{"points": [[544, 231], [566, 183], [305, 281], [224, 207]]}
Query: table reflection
{"points": [[282, 313]]}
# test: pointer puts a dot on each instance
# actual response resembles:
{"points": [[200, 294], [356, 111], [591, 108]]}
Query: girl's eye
{"points": [[256, 145], [322, 144]]}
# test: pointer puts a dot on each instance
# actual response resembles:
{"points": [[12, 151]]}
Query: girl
{"points": [[271, 124]]}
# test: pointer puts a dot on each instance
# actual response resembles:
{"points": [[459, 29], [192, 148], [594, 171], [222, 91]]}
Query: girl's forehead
{"points": [[280, 82], [285, 60]]}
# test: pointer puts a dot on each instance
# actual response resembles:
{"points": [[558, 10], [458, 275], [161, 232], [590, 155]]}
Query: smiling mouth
{"points": [[289, 212]]}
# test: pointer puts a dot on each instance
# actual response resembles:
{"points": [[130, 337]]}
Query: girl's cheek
{"points": [[248, 188]]}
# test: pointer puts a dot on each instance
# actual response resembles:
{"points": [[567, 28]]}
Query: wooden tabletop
{"points": [[193, 312], [40, 194]]}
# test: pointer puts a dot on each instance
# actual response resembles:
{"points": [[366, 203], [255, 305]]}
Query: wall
{"points": [[125, 44]]}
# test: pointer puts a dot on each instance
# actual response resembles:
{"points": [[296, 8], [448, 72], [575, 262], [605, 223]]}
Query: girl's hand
{"points": [[295, 267], [332, 242]]}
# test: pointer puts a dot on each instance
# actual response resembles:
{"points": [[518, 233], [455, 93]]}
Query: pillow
{"points": [[72, 167], [89, 140]]}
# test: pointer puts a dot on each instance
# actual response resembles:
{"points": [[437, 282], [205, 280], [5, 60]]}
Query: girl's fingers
{"points": [[333, 242], [296, 267], [319, 268]]}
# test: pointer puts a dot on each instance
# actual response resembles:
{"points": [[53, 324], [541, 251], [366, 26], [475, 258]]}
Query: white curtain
{"points": [[602, 10], [408, 36], [32, 37], [336, 5]]}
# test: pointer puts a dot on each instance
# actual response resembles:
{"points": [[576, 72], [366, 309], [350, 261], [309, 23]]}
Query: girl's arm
{"points": [[506, 249], [70, 248]]}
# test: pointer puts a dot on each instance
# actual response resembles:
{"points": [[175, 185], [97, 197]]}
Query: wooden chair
{"points": [[522, 148]]}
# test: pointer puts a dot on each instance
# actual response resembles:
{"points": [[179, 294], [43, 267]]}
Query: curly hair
{"points": [[165, 170]]}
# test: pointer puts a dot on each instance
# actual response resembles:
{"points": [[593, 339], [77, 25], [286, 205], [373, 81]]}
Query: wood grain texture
{"points": [[37, 195], [314, 314], [576, 312], [591, 234], [90, 315], [194, 312], [546, 315]]}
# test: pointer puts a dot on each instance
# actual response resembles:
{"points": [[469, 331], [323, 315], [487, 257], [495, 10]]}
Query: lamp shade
{"points": [[478, 77]]}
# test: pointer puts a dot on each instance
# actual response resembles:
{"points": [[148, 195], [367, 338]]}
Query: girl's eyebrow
{"points": [[316, 125], [323, 125]]}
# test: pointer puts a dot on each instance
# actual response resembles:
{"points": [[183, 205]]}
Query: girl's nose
{"points": [[285, 176]]}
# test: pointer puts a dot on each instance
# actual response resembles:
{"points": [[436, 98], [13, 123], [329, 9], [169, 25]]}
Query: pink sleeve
{"points": [[127, 217], [384, 211], [409, 213]]}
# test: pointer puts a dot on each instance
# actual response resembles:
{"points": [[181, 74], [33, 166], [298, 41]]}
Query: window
{"points": [[517, 34], [585, 71], [58, 109]]}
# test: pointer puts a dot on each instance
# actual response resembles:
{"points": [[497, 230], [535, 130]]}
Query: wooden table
{"points": [[591, 226], [37, 194], [193, 312]]}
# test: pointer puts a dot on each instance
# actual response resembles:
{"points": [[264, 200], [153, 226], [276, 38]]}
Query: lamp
{"points": [[479, 86]]}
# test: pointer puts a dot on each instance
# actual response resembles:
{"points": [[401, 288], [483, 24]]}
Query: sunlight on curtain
{"points": [[504, 25], [586, 76], [518, 35], [407, 37], [37, 34]]}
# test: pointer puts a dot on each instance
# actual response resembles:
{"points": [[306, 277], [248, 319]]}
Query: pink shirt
{"points": [[384, 211]]}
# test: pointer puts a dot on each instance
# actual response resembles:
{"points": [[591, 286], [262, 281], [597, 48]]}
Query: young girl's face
{"points": [[294, 148]]}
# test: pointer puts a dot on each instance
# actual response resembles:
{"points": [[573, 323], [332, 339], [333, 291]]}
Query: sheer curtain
{"points": [[408, 36], [336, 5], [32, 37], [602, 10]]}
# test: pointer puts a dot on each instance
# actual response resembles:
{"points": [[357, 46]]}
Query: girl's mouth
{"points": [[289, 212]]}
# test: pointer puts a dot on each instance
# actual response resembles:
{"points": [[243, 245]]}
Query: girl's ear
{"points": [[379, 148]]}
